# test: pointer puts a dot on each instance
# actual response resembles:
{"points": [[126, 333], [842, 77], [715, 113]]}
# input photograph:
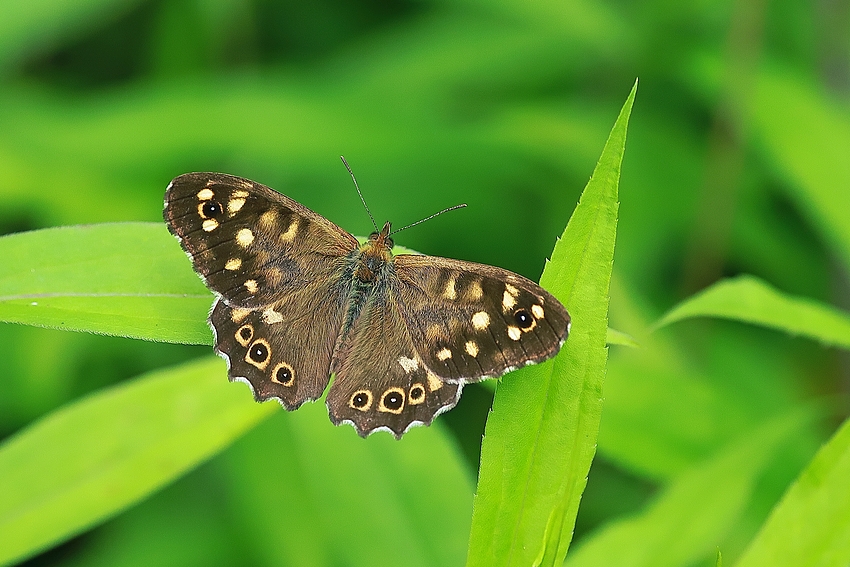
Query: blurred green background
{"points": [[738, 161]]}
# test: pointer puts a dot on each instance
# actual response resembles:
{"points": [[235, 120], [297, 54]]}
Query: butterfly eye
{"points": [[210, 209], [523, 318]]}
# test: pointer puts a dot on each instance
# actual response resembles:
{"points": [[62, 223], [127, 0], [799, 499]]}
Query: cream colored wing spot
{"points": [[408, 364], [392, 401], [238, 314], [434, 383], [268, 219], [240, 195], [481, 320], [209, 225], [205, 194], [444, 354], [233, 264], [474, 292], [244, 335], [234, 205], [360, 400], [508, 301], [259, 353], [270, 316], [283, 374], [450, 292], [514, 333], [471, 348], [416, 394], [291, 231], [511, 289], [537, 311], [251, 286], [244, 237]]}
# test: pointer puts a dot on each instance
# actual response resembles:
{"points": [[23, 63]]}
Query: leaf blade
{"points": [[516, 520], [750, 300], [90, 459], [815, 509], [123, 279]]}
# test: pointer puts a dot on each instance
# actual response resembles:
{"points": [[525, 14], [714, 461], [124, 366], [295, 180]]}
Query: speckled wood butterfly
{"points": [[299, 299]]}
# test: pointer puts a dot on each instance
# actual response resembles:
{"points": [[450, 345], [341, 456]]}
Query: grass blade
{"points": [[751, 300], [125, 279], [541, 435], [96, 456], [695, 511], [811, 524]]}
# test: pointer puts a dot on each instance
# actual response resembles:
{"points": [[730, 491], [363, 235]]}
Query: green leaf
{"points": [[751, 300], [686, 520], [126, 279], [94, 457], [811, 524], [615, 337], [540, 437]]}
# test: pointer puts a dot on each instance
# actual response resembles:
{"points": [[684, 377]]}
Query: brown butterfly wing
{"points": [[381, 382], [279, 271], [471, 321], [251, 244]]}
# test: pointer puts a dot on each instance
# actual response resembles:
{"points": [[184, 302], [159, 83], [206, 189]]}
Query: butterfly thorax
{"points": [[374, 255]]}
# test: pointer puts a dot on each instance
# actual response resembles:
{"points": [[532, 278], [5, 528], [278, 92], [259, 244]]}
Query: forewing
{"points": [[471, 321], [381, 381], [251, 244]]}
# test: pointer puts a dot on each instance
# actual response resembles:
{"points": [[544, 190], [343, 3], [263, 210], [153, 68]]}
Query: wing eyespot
{"points": [[361, 400], [283, 374], [244, 335]]}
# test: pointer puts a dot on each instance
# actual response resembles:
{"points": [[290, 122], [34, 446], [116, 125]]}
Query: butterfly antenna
{"points": [[462, 205], [359, 193]]}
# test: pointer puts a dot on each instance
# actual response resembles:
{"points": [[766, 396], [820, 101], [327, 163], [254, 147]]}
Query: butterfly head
{"points": [[381, 240]]}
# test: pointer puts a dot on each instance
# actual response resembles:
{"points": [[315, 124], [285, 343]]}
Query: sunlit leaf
{"points": [[541, 434], [88, 460], [751, 300], [126, 279], [615, 337], [686, 520], [810, 527]]}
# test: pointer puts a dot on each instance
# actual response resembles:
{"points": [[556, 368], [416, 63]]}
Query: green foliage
{"points": [[751, 300], [543, 463], [733, 209], [123, 279], [96, 456], [816, 509]]}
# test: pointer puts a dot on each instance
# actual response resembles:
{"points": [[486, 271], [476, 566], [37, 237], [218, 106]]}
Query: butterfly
{"points": [[299, 299]]}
